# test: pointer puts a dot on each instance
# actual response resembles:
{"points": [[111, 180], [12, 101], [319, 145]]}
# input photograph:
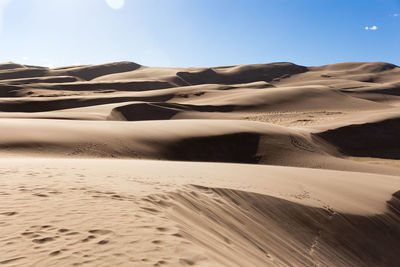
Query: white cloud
{"points": [[396, 14], [372, 28]]}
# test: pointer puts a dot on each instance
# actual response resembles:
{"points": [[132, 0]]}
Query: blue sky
{"points": [[199, 32]]}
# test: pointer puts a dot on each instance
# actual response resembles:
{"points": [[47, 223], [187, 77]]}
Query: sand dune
{"points": [[217, 75], [307, 236], [91, 72], [207, 140], [108, 212], [370, 139], [241, 74], [251, 165], [23, 72], [10, 65], [163, 111], [53, 79]]}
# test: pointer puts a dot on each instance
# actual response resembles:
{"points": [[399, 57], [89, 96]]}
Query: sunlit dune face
{"points": [[116, 4]]}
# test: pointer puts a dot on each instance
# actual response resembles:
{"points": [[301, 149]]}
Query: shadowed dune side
{"points": [[236, 148], [195, 99], [386, 89], [394, 203], [136, 85], [357, 67], [89, 72], [9, 65], [346, 75], [24, 72], [43, 89], [378, 139], [297, 98], [51, 79], [142, 112], [241, 74], [24, 86], [93, 71], [203, 140], [238, 228], [40, 105], [204, 192], [160, 110], [270, 147], [373, 81], [215, 75], [148, 74], [367, 72], [140, 212], [7, 90]]}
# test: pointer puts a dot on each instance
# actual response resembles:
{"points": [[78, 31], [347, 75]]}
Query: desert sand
{"points": [[252, 165]]}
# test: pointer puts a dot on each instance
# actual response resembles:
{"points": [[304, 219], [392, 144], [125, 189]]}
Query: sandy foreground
{"points": [[254, 165]]}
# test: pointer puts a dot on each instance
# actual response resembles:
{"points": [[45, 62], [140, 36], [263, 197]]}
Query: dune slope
{"points": [[110, 212], [274, 164]]}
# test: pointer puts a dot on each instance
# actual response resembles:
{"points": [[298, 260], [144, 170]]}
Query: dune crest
{"points": [[274, 164]]}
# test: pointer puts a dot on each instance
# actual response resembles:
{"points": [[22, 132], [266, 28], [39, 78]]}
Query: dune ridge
{"points": [[251, 165], [155, 212], [312, 231]]}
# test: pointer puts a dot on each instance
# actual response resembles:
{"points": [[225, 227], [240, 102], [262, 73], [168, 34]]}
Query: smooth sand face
{"points": [[253, 165]]}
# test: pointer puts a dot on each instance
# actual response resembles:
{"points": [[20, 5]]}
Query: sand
{"points": [[254, 165]]}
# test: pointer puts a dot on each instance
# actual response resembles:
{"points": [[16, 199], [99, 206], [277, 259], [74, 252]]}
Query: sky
{"points": [[195, 33]]}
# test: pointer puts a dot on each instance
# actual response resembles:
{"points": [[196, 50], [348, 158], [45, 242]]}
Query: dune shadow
{"points": [[36, 105], [160, 110], [235, 148], [378, 139], [262, 229]]}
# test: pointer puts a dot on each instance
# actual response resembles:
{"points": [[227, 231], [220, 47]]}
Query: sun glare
{"points": [[116, 4]]}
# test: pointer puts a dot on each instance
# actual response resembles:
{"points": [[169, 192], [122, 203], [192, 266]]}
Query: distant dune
{"points": [[251, 165]]}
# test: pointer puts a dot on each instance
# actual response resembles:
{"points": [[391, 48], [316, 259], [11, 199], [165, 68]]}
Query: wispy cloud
{"points": [[396, 15], [372, 28]]}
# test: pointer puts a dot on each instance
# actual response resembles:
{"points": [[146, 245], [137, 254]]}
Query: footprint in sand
{"points": [[177, 235], [27, 233], [186, 262], [72, 233], [87, 239], [103, 242], [100, 232], [97, 232], [43, 240], [162, 229], [160, 263], [55, 253], [9, 213], [11, 260], [40, 195]]}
